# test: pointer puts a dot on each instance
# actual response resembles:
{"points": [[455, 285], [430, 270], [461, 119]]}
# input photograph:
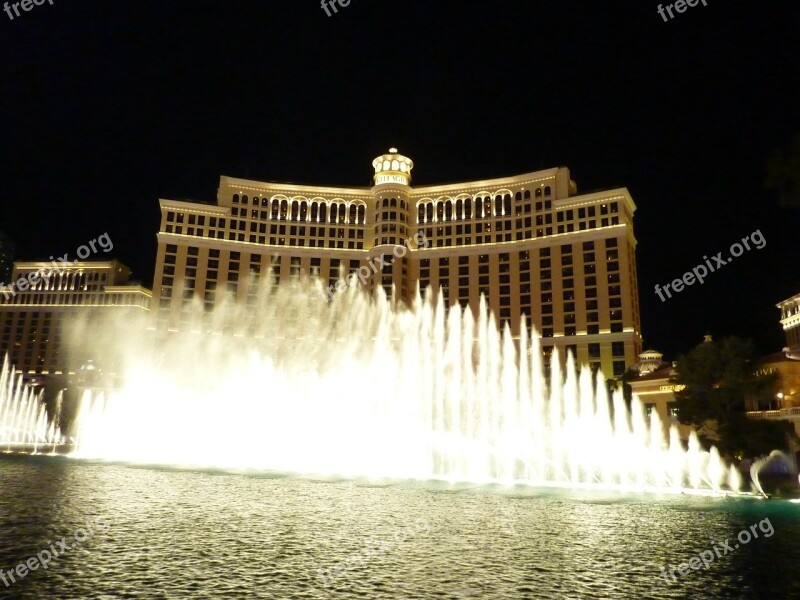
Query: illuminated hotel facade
{"points": [[529, 243]]}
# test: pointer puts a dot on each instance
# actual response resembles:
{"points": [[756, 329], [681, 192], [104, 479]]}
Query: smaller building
{"points": [[790, 321], [785, 406], [651, 383], [36, 305]]}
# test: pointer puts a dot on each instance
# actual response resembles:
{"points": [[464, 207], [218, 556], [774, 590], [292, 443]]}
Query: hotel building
{"points": [[534, 247], [33, 313]]}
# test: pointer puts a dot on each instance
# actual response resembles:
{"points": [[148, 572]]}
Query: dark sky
{"points": [[109, 106]]}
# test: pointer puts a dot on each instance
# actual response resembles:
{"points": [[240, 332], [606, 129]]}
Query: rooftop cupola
{"points": [[393, 168]]}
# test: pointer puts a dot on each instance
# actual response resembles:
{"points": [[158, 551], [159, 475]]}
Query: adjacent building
{"points": [[535, 248], [35, 307], [651, 379], [790, 321]]}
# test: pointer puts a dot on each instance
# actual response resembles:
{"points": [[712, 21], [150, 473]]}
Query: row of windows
{"points": [[442, 236], [480, 207], [302, 210]]}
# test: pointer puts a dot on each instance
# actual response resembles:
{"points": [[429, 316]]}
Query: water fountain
{"points": [[24, 424], [360, 387]]}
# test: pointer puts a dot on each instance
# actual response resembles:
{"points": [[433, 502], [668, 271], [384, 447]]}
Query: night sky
{"points": [[109, 106]]}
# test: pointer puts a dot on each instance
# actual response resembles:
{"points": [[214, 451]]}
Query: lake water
{"points": [[140, 532]]}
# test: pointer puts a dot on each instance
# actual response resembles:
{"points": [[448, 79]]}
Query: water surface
{"points": [[190, 534]]}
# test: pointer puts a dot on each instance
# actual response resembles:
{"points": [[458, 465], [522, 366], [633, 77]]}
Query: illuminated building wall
{"points": [[535, 248]]}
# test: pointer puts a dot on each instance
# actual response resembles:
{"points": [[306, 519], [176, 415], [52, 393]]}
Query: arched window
{"points": [[342, 213], [276, 207], [440, 211], [304, 211], [284, 209], [429, 212], [295, 210], [402, 203], [314, 211], [507, 204], [468, 208], [547, 190], [498, 205], [393, 202], [236, 198], [361, 214], [334, 212], [478, 208], [244, 199], [323, 212], [527, 194], [518, 196], [448, 210], [353, 213], [459, 208], [421, 213], [538, 192]]}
